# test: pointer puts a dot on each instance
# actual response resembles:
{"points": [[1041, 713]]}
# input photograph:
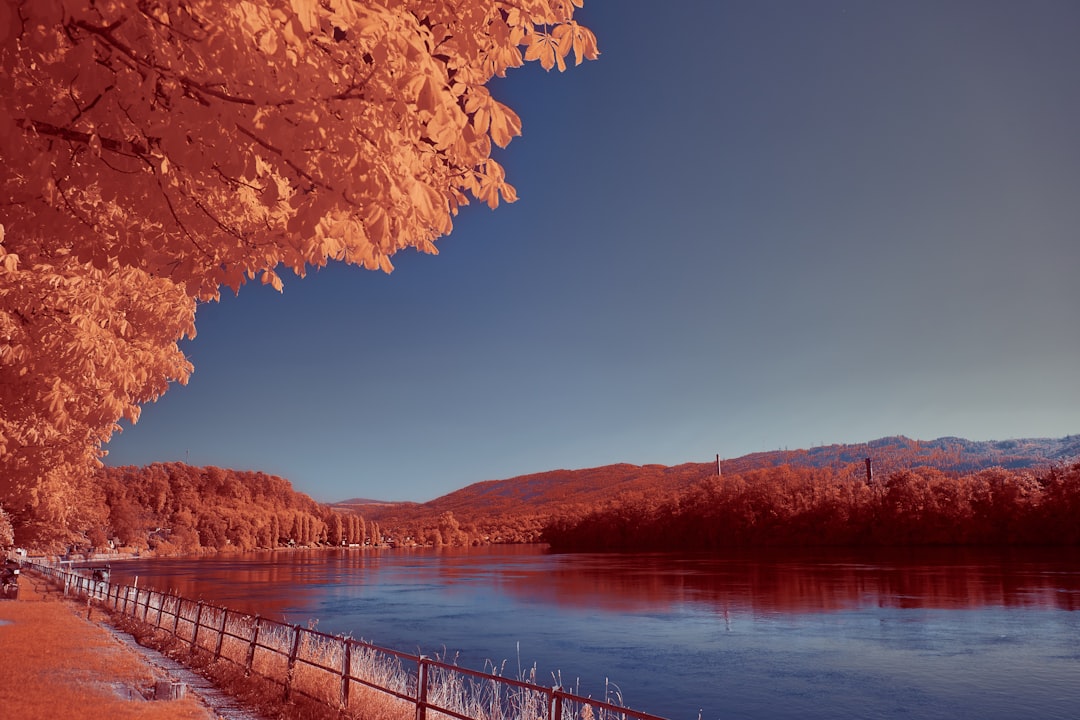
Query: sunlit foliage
{"points": [[7, 532], [173, 507], [793, 506], [156, 152]]}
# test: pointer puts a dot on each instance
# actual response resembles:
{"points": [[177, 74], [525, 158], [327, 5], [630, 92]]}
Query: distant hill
{"points": [[496, 505], [173, 507], [515, 510], [365, 502], [948, 454]]}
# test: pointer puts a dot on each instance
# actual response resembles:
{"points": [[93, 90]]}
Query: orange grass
{"points": [[315, 690], [316, 676], [56, 664], [263, 695]]}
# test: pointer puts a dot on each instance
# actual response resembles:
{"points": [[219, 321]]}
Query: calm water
{"points": [[944, 634]]}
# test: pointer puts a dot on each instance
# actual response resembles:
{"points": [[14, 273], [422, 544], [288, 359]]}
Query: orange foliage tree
{"points": [[174, 507], [794, 506], [157, 151]]}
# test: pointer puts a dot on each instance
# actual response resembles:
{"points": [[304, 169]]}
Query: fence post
{"points": [[292, 662], [346, 671], [221, 635], [421, 687], [160, 608], [254, 642], [176, 615], [556, 703], [146, 607], [195, 632]]}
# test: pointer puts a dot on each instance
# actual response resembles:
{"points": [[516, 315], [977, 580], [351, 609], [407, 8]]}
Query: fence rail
{"points": [[334, 670]]}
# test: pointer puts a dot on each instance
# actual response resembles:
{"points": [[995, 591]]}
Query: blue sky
{"points": [[749, 225]]}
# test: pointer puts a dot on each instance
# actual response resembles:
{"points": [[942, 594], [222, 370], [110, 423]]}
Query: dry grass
{"points": [[262, 695], [315, 680], [56, 664]]}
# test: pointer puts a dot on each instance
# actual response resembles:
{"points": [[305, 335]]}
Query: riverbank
{"points": [[56, 663]]}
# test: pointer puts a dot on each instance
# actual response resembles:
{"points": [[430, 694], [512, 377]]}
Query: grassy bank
{"points": [[56, 664]]}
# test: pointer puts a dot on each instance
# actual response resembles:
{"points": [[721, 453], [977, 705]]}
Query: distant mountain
{"points": [[173, 507], [949, 454], [515, 510], [501, 503], [365, 502]]}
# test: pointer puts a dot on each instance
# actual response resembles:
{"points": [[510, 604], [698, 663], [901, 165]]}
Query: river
{"points": [[947, 633]]}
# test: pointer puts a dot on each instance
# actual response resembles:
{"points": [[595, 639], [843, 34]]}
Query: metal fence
{"points": [[338, 671]]}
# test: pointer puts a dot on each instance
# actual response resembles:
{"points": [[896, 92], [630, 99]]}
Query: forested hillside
{"points": [[521, 509], [800, 506], [176, 508], [942, 491], [518, 509]]}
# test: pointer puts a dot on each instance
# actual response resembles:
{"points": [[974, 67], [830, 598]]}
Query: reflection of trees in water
{"points": [[274, 583], [812, 582], [264, 583], [766, 581]]}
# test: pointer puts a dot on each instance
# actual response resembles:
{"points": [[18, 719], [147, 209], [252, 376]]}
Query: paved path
{"points": [[40, 618], [224, 706]]}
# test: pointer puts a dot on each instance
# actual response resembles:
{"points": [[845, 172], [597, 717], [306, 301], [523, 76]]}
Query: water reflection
{"points": [[774, 582], [810, 635], [262, 583], [814, 581]]}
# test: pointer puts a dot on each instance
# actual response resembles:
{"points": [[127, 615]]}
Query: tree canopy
{"points": [[156, 151], [790, 506]]}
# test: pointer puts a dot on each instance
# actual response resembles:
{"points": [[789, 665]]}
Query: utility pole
{"points": [[869, 471], [718, 473]]}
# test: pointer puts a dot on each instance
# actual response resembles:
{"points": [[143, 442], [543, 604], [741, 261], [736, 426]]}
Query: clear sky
{"points": [[748, 226]]}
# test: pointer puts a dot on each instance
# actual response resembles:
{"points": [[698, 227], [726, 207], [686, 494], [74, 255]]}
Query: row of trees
{"points": [[157, 152], [436, 527], [793, 506], [177, 508], [173, 508]]}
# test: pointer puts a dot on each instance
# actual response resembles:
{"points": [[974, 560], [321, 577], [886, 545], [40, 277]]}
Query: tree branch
{"points": [[190, 83], [277, 151], [122, 147]]}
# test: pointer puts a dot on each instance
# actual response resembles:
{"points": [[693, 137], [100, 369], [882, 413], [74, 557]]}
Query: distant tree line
{"points": [[176, 508], [798, 506], [173, 508], [427, 527]]}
